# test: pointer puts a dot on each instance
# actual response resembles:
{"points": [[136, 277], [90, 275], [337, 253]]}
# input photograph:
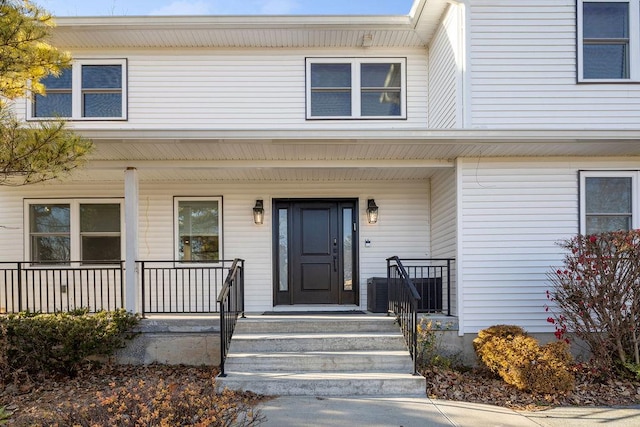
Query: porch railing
{"points": [[231, 302], [403, 302], [432, 279], [182, 287], [60, 286]]}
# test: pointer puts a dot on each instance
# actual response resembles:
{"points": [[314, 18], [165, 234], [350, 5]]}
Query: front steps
{"points": [[320, 355]]}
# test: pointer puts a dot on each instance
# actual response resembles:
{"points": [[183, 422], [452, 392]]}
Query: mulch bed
{"points": [[481, 386], [35, 398], [40, 396]]}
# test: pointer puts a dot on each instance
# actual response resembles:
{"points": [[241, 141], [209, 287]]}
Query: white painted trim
{"points": [[74, 222], [459, 249], [131, 202], [177, 22], [635, 199], [381, 136], [634, 44], [176, 234], [466, 95], [76, 92], [282, 164], [356, 86]]}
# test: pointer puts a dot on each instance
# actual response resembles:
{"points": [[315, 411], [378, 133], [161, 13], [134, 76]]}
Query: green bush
{"points": [[61, 342], [519, 360]]}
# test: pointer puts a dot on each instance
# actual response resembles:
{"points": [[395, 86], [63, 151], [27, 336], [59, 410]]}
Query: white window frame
{"points": [[634, 41], [635, 200], [74, 227], [76, 92], [355, 63], [176, 230]]}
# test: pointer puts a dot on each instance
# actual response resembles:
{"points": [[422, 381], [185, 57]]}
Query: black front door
{"points": [[314, 252]]}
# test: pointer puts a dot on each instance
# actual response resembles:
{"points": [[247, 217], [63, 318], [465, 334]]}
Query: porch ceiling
{"points": [[330, 155], [130, 147]]}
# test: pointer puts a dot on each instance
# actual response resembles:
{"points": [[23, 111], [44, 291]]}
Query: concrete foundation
{"points": [[178, 340]]}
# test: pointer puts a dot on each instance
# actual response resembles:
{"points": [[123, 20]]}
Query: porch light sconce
{"points": [[258, 212], [372, 211]]}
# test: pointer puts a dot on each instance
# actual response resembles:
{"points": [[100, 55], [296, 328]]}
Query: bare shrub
{"points": [[596, 296]]}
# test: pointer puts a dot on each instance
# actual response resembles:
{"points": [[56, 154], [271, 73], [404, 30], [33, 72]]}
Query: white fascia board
{"points": [[136, 23], [356, 135], [253, 164]]}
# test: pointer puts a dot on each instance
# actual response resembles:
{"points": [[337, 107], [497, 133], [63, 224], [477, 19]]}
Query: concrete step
{"points": [[321, 361], [296, 342], [325, 383], [316, 323]]}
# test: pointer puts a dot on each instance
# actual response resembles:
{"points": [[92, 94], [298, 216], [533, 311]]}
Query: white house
{"points": [[484, 131]]}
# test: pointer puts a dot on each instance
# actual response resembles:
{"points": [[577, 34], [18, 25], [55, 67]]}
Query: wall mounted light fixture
{"points": [[372, 211], [258, 212]]}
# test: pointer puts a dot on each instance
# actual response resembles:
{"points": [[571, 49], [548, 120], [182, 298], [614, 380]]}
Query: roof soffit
{"points": [[413, 31]]}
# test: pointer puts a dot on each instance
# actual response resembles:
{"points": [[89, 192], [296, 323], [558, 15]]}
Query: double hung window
{"points": [[341, 88], [198, 228], [89, 90], [76, 230], [608, 201], [608, 40]]}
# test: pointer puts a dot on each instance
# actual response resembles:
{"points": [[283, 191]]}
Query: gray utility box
{"points": [[377, 295]]}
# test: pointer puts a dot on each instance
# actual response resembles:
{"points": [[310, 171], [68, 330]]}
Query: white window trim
{"points": [[635, 200], [74, 226], [176, 231], [76, 92], [355, 87], [634, 41]]}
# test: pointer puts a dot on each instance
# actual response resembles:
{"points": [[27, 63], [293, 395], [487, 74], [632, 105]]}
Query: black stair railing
{"points": [[403, 302], [231, 305]]}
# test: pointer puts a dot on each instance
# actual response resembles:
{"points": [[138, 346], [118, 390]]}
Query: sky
{"points": [[224, 7]]}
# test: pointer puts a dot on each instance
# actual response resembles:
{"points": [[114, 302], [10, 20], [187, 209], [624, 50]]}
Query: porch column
{"points": [[131, 202]]}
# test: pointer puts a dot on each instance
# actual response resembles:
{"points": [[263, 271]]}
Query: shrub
{"points": [[596, 296], [61, 342], [520, 361]]}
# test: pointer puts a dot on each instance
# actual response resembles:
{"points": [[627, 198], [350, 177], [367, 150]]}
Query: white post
{"points": [[131, 243]]}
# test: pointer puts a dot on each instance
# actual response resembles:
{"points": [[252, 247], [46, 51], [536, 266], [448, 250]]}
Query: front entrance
{"points": [[315, 252]]}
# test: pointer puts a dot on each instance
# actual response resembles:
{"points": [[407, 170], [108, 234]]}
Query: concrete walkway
{"points": [[425, 412]]}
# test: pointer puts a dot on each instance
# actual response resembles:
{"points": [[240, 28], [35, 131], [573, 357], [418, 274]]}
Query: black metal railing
{"points": [[403, 302], [432, 279], [181, 287], [231, 302], [61, 286]]}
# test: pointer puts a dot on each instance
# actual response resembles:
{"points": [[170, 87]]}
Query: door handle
{"points": [[335, 263]]}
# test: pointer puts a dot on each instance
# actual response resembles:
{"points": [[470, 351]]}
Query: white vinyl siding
{"points": [[402, 228], [444, 223], [523, 71], [445, 73], [513, 212], [256, 89]]}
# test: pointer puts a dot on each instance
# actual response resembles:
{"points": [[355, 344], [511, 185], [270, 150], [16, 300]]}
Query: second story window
{"points": [[340, 88], [89, 90], [608, 45]]}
